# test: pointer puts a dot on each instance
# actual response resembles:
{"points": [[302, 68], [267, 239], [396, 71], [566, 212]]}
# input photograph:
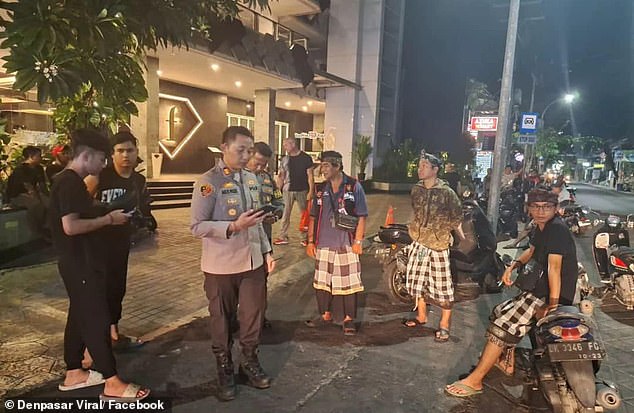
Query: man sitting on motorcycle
{"points": [[553, 246]]}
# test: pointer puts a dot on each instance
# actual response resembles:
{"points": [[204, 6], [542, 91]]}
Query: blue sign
{"points": [[528, 123]]}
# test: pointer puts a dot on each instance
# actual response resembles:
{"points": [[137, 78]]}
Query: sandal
{"points": [[441, 335], [94, 379], [459, 389], [348, 328], [130, 394], [413, 322]]}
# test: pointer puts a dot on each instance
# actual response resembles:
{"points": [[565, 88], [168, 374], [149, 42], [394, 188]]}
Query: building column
{"points": [[264, 126], [145, 126]]}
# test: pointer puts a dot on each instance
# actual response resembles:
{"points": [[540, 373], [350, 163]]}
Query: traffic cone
{"points": [[389, 217]]}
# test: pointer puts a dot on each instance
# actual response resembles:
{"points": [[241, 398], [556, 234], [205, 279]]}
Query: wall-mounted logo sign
{"points": [[173, 143], [484, 123]]}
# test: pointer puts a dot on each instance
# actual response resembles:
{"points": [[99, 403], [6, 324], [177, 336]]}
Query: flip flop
{"points": [[349, 328], [126, 343], [130, 394], [94, 379], [318, 322], [413, 322], [441, 335], [467, 391]]}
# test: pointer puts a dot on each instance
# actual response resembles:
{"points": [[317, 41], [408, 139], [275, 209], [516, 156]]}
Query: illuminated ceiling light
{"points": [[309, 103], [305, 108], [248, 106], [238, 83], [215, 67], [287, 104], [193, 130], [159, 72]]}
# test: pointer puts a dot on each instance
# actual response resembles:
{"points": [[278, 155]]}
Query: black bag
{"points": [[528, 275], [343, 222]]}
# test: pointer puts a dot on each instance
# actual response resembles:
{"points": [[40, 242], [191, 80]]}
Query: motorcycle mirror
{"points": [[596, 222]]}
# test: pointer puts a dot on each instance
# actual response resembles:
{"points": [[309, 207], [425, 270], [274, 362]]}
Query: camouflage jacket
{"points": [[437, 211]]}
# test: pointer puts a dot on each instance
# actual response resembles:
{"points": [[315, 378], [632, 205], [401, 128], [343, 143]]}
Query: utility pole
{"points": [[503, 113]]}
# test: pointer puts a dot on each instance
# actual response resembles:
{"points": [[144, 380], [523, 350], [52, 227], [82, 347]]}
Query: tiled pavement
{"points": [[164, 291]]}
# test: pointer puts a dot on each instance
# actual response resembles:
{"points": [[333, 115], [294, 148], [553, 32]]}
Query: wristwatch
{"points": [[358, 241]]}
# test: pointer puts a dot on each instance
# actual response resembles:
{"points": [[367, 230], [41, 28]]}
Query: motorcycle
{"points": [[511, 210], [614, 259], [578, 217], [475, 265], [566, 355]]}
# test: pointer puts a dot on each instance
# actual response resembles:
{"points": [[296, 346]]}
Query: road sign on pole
{"points": [[527, 139], [528, 125]]}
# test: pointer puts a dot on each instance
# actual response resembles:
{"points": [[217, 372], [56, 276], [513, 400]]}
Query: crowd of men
{"points": [[234, 206]]}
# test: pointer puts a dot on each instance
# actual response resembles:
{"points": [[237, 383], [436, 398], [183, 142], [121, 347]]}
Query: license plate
{"points": [[587, 350]]}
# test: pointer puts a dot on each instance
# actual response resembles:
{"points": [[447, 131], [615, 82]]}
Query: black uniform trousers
{"points": [[116, 261], [88, 323], [225, 292]]}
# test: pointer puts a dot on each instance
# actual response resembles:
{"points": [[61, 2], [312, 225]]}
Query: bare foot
{"points": [[75, 376]]}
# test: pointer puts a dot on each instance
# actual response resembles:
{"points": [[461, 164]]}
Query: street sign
{"points": [[528, 124], [484, 123], [527, 139]]}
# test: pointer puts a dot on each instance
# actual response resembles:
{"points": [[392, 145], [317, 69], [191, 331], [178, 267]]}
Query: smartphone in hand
{"points": [[267, 209]]}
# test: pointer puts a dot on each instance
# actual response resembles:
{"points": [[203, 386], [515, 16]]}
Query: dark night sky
{"points": [[448, 41]]}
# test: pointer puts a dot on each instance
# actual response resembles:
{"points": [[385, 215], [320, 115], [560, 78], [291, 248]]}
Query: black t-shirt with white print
{"points": [[111, 186]]}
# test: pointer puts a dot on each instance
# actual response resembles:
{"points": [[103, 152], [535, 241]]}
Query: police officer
{"points": [[269, 192], [236, 257]]}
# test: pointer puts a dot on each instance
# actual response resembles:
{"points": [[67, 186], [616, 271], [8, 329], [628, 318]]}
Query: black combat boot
{"points": [[226, 379], [251, 371]]}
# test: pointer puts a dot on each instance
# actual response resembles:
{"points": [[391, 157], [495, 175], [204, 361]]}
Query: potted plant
{"points": [[361, 152]]}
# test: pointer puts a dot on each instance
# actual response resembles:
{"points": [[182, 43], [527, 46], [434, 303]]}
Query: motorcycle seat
{"points": [[626, 254], [564, 311]]}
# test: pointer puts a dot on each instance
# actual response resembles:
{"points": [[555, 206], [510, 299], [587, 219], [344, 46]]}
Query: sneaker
{"points": [[280, 241], [304, 243]]}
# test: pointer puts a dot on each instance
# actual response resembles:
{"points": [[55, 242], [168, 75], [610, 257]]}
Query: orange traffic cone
{"points": [[389, 217]]}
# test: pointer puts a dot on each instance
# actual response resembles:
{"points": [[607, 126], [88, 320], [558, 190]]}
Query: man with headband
{"points": [[437, 212], [553, 246]]}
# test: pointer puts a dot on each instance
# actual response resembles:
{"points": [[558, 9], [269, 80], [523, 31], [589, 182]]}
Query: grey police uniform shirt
{"points": [[220, 196]]}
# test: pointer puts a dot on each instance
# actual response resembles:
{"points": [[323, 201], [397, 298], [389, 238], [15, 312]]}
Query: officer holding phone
{"points": [[235, 253]]}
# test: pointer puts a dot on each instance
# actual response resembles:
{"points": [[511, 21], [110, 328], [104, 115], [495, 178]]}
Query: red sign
{"points": [[484, 123]]}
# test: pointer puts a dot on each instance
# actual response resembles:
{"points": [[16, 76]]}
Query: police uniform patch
{"points": [[206, 190], [232, 212], [228, 185], [226, 171], [232, 201], [267, 181], [250, 182]]}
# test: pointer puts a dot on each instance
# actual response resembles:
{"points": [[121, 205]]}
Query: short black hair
{"points": [[263, 149], [332, 157], [89, 138], [123, 137], [229, 135], [31, 151]]}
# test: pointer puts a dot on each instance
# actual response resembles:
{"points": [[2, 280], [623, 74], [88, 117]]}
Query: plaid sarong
{"points": [[429, 275], [337, 271], [515, 316]]}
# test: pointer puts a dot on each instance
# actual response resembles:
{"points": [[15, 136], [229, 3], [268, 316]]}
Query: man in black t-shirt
{"points": [[295, 177], [26, 188], [81, 267], [553, 246], [113, 182]]}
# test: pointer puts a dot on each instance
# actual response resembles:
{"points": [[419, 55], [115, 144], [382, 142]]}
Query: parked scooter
{"points": [[511, 210], [476, 266], [614, 259], [578, 217]]}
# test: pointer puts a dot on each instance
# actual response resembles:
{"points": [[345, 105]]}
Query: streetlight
{"points": [[567, 98]]}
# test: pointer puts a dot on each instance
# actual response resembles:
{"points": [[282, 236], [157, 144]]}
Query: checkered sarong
{"points": [[429, 275], [337, 271], [515, 316]]}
